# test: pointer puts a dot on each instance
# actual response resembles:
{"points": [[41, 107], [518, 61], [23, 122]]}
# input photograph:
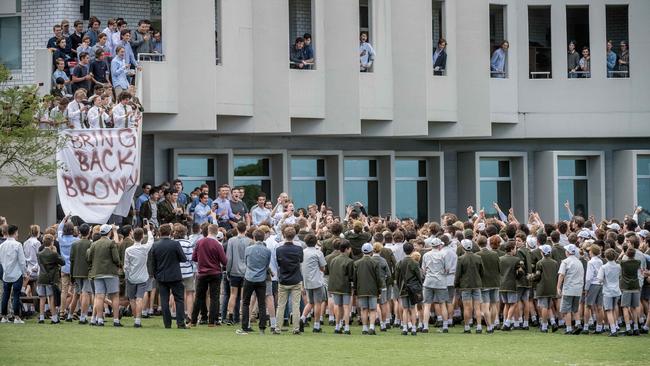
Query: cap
{"points": [[366, 248], [532, 242], [572, 249], [105, 229], [584, 234], [480, 226], [467, 244], [614, 226], [219, 235], [435, 242], [546, 249], [644, 233]]}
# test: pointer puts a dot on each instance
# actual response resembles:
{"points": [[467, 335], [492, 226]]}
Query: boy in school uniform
{"points": [[490, 280], [469, 271], [545, 275], [631, 292], [594, 291], [408, 270], [608, 276], [569, 285], [510, 269], [368, 284], [341, 273]]}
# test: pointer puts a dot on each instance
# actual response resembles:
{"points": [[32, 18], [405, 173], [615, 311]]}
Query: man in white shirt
{"points": [[122, 112], [135, 271], [569, 285], [97, 116], [14, 265], [259, 213], [594, 290], [77, 111], [435, 285], [30, 249], [110, 30], [608, 276]]}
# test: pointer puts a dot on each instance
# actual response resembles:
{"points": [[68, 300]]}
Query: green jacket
{"points": [[78, 259], [104, 258], [545, 277], [524, 255], [50, 264], [367, 277], [327, 247], [630, 275], [166, 213], [558, 253], [508, 266], [121, 248], [535, 256], [328, 259], [460, 251], [407, 270], [491, 273], [356, 241], [469, 271], [341, 273], [389, 256]]}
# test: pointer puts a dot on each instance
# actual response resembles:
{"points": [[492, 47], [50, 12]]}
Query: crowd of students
{"points": [[215, 261]]}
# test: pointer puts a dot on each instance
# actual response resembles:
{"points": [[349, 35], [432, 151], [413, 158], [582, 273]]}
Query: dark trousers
{"points": [[203, 284], [259, 288], [226, 298], [11, 288], [178, 290]]}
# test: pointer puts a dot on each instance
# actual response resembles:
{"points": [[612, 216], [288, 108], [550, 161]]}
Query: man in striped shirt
{"points": [[188, 268]]}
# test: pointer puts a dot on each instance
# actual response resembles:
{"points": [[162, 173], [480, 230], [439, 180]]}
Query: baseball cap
{"points": [[105, 229], [546, 249], [644, 233], [614, 226], [433, 241], [219, 235], [366, 248], [532, 242], [572, 249], [480, 226], [584, 234], [467, 244]]}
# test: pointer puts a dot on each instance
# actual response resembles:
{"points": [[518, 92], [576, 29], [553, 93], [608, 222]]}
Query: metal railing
{"points": [[498, 74], [579, 74], [540, 74], [151, 57], [308, 65], [618, 74]]}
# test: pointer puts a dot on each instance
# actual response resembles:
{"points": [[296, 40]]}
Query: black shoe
{"points": [[285, 323], [100, 324], [612, 334], [337, 331], [420, 329], [83, 322], [414, 333], [146, 316], [182, 326], [643, 331], [425, 330], [438, 324], [301, 326], [467, 331], [137, 325], [636, 332], [41, 321], [319, 330], [577, 331], [568, 332], [544, 330], [347, 332], [117, 324], [554, 328], [372, 332], [598, 332], [228, 322], [382, 329], [535, 323], [55, 322], [444, 330], [479, 331], [68, 320], [388, 326], [506, 328], [524, 328], [247, 330], [332, 323], [365, 332], [490, 331], [405, 332]]}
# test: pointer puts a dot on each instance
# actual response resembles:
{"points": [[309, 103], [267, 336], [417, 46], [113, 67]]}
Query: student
{"points": [[440, 58], [313, 266], [367, 283], [545, 275], [77, 37], [594, 291], [122, 113], [573, 60], [341, 273], [608, 276], [119, 71], [136, 273], [257, 258], [104, 262], [308, 50], [236, 267], [490, 280], [289, 257], [188, 268], [166, 257], [366, 53], [451, 260], [99, 69], [611, 59], [469, 271], [13, 264], [76, 111], [385, 272], [97, 116], [210, 258], [408, 272], [510, 269], [585, 63], [81, 77], [498, 61], [93, 30], [50, 263], [569, 285], [79, 268], [523, 284], [630, 298], [83, 47], [435, 285], [60, 73]]}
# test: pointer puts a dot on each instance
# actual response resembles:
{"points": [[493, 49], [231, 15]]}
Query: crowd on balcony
{"points": [[94, 73]]}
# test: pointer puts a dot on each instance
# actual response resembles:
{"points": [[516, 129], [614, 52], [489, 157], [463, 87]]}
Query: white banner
{"points": [[99, 172]]}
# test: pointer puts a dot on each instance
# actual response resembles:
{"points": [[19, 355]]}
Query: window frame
{"points": [[18, 14], [572, 178], [496, 179], [362, 179], [217, 33], [415, 179], [206, 178], [532, 75], [504, 9], [314, 179]]}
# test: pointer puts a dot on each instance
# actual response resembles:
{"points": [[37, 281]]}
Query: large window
{"points": [[10, 39], [618, 61], [366, 50], [308, 182], [498, 44], [254, 174], [572, 187], [495, 185], [361, 183], [301, 48], [196, 170], [217, 31], [577, 31], [411, 190], [439, 42], [643, 186], [539, 42]]}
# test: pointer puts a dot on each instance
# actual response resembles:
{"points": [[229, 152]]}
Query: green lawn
{"points": [[73, 344]]}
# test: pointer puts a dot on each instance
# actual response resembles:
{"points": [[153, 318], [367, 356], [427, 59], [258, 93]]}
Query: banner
{"points": [[99, 172]]}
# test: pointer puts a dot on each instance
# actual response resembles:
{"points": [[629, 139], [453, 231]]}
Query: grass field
{"points": [[73, 344]]}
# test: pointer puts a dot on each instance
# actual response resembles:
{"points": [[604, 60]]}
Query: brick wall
{"points": [[299, 18], [617, 25], [131, 10]]}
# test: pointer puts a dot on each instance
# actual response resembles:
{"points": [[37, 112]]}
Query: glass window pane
{"points": [[410, 168], [539, 42], [572, 167], [495, 191], [493, 168], [576, 192], [195, 167], [356, 191], [321, 192], [189, 185], [304, 168], [564, 193], [303, 193], [643, 198], [252, 188], [406, 203], [360, 168], [643, 165], [251, 167], [10, 43]]}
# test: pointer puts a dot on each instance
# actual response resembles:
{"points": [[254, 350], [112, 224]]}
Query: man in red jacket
{"points": [[210, 257]]}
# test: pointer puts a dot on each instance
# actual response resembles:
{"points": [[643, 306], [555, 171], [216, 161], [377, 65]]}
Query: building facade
{"points": [[225, 107]]}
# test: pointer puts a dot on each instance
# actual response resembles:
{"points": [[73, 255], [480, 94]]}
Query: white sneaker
{"points": [[18, 321], [4, 320]]}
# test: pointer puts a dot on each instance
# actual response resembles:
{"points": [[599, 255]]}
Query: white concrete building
{"points": [[400, 139]]}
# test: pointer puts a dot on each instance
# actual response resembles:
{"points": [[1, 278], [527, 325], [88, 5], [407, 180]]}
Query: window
{"points": [[618, 61], [364, 16], [498, 44], [572, 187], [217, 31], [366, 50], [10, 39], [539, 42], [300, 27], [156, 15], [643, 187], [196, 170], [577, 31], [411, 190], [254, 174], [308, 182], [495, 185], [361, 183], [439, 42]]}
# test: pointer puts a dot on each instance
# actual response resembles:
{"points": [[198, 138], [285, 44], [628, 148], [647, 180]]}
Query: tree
{"points": [[26, 150]]}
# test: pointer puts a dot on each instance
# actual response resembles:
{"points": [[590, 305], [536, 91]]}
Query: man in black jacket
{"points": [[289, 256], [166, 256], [440, 58]]}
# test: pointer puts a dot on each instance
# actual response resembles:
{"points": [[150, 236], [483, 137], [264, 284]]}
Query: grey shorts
{"points": [[82, 285], [44, 290], [393, 292], [630, 299], [490, 295], [406, 302], [609, 302], [107, 285], [523, 294], [383, 297], [470, 295], [569, 304], [452, 293], [509, 297], [316, 295], [150, 284], [189, 283], [544, 302], [135, 291], [367, 302], [269, 288], [435, 295], [594, 295], [341, 299]]}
